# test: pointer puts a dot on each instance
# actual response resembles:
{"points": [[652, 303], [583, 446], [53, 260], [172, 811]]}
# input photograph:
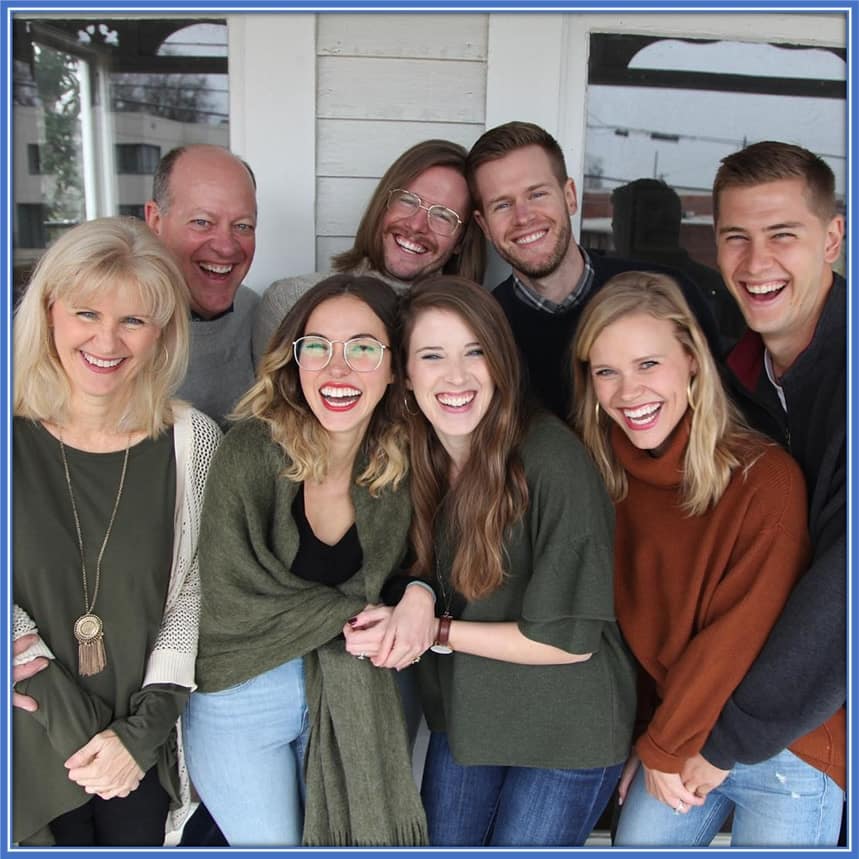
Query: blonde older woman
{"points": [[109, 475]]}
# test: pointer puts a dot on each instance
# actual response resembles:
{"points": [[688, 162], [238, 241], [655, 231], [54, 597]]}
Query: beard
{"points": [[536, 268]]}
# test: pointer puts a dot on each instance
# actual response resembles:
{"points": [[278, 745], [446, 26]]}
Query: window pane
{"points": [[662, 113], [165, 85]]}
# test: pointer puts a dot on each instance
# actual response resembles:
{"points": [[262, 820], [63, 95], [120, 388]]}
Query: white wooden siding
{"points": [[384, 83]]}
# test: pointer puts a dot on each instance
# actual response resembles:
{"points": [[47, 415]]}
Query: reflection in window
{"points": [[145, 84], [671, 109], [137, 158]]}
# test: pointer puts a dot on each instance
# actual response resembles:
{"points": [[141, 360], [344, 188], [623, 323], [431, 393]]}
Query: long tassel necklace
{"points": [[89, 628]]}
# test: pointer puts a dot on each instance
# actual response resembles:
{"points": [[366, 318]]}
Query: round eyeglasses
{"points": [[441, 220], [362, 354]]}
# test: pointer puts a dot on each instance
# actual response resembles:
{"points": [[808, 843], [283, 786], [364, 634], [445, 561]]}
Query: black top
{"points": [[545, 339], [317, 561]]}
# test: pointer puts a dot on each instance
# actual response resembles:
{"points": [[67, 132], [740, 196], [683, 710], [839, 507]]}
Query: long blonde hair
{"points": [[277, 398], [94, 258], [719, 439]]}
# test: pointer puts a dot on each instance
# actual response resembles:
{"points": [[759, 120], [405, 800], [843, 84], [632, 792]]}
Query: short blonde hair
{"points": [[719, 439], [90, 260]]}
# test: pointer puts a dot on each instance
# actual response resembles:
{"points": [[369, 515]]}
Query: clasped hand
{"points": [[679, 791], [105, 767], [393, 637]]}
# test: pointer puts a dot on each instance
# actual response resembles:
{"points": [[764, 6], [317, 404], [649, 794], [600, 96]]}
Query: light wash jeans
{"points": [[244, 747], [782, 802]]}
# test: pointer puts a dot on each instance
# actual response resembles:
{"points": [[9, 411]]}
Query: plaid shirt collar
{"points": [[533, 299]]}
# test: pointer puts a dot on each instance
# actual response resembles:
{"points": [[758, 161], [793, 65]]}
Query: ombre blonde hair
{"points": [[90, 260], [277, 397], [719, 439]]}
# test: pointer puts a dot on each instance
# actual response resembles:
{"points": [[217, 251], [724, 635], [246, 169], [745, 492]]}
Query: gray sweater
{"points": [[221, 365], [279, 298]]}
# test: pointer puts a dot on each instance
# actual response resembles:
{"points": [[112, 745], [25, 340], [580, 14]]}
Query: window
{"points": [[132, 211], [32, 226], [669, 109], [34, 159], [137, 158], [96, 102]]}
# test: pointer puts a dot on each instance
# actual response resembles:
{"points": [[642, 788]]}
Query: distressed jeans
{"points": [[782, 802]]}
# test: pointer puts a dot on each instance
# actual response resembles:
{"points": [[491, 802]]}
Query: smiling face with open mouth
{"points": [[640, 373], [450, 378], [209, 225], [409, 247], [775, 254], [103, 340], [342, 399]]}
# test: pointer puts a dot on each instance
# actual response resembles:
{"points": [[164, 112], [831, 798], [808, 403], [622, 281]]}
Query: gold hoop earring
{"points": [[166, 360], [409, 411], [690, 394], [597, 411]]}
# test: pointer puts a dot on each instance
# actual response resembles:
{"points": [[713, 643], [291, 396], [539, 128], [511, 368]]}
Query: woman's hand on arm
{"points": [[410, 630], [394, 637], [105, 767], [364, 632], [504, 641]]}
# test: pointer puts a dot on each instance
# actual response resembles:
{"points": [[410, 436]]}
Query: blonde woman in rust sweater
{"points": [[710, 538]]}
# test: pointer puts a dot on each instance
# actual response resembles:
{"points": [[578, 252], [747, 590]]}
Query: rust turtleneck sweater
{"points": [[696, 596]]}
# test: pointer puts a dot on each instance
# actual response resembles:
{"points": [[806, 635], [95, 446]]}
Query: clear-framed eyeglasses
{"points": [[441, 220], [363, 354]]}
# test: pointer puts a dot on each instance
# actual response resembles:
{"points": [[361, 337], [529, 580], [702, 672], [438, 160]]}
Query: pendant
{"points": [[89, 632]]}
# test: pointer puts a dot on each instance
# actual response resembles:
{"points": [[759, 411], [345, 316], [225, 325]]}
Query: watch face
{"points": [[441, 648]]}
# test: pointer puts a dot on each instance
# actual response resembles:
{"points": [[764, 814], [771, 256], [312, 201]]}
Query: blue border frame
{"points": [[8, 8]]}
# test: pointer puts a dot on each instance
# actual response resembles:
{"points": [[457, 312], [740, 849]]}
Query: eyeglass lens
{"points": [[362, 354], [440, 219]]}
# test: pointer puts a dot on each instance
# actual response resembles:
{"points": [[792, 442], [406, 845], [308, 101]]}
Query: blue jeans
{"points": [[245, 752], [510, 806], [782, 802]]}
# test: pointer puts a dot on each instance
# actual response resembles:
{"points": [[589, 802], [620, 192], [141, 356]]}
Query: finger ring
{"points": [[416, 660], [681, 806], [362, 656]]}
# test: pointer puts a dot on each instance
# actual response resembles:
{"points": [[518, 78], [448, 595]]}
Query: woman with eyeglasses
{"points": [[710, 539], [305, 518], [529, 690]]}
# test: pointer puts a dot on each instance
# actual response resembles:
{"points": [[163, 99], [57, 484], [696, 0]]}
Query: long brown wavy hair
{"points": [[490, 494]]}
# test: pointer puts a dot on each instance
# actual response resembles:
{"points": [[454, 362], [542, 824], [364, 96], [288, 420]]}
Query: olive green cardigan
{"points": [[257, 614]]}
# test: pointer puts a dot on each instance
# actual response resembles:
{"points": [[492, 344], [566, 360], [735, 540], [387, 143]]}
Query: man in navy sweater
{"points": [[524, 199]]}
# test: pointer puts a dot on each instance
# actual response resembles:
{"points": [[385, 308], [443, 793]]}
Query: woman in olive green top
{"points": [[530, 692], [109, 476]]}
